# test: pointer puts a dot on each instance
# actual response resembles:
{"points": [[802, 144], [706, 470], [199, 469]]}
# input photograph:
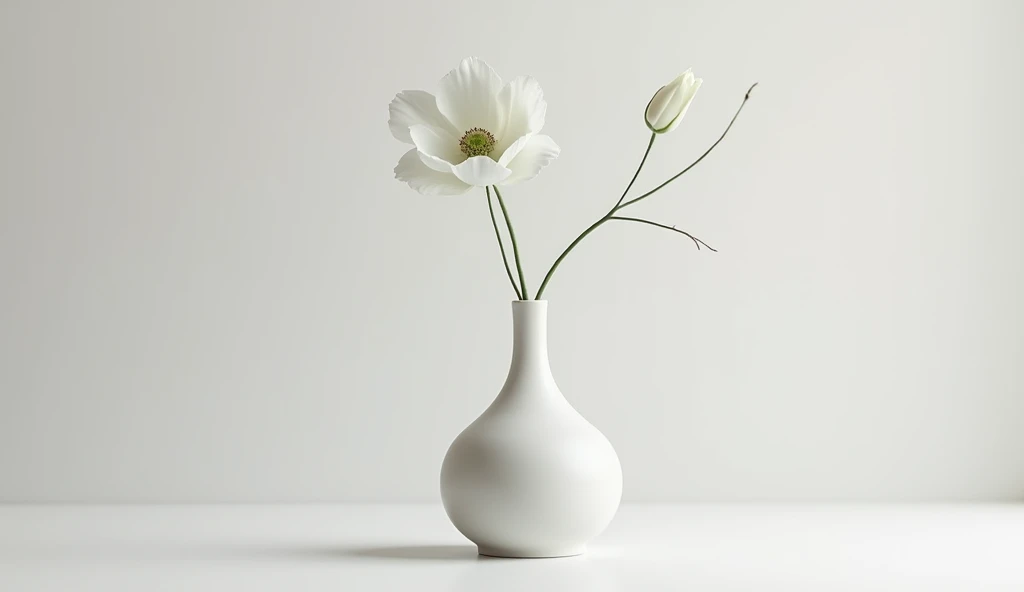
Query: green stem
{"points": [[620, 204], [695, 240], [694, 163], [515, 246], [637, 173], [594, 226], [501, 244], [554, 266]]}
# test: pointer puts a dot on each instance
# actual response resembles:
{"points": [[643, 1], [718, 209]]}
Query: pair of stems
{"points": [[611, 215], [520, 294]]}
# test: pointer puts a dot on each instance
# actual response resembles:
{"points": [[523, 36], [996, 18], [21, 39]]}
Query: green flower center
{"points": [[477, 142]]}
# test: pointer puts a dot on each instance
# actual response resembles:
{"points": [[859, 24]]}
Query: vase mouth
{"points": [[529, 302]]}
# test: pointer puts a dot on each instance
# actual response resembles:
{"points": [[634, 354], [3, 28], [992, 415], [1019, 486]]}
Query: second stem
{"points": [[618, 205]]}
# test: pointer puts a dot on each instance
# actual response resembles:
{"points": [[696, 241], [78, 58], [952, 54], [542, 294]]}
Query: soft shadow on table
{"points": [[418, 552], [260, 552], [332, 554], [284, 552], [328, 553]]}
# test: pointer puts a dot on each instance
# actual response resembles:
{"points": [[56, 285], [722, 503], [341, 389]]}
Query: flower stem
{"points": [[708, 151], [620, 204], [501, 244], [637, 173], [604, 219], [515, 246], [554, 266]]}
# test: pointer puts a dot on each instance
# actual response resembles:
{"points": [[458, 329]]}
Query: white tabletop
{"points": [[696, 548]]}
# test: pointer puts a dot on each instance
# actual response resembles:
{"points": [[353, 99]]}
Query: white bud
{"points": [[670, 103]]}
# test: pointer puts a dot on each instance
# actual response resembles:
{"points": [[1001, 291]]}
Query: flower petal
{"points": [[524, 101], [668, 106], [426, 180], [691, 91], [412, 107], [481, 171], [468, 97], [512, 151], [439, 150], [665, 104], [537, 154]]}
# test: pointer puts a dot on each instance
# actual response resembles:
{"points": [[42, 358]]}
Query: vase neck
{"points": [[530, 337]]}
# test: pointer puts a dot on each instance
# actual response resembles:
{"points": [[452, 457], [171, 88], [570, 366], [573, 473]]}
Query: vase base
{"points": [[531, 553]]}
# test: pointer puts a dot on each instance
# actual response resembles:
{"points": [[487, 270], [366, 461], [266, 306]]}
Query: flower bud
{"points": [[669, 104]]}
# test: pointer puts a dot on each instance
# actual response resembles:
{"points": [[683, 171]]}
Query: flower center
{"points": [[477, 142]]}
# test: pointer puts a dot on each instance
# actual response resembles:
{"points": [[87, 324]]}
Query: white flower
{"points": [[670, 103], [476, 132]]}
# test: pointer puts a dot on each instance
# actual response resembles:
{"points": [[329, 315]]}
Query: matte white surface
{"points": [[211, 288], [531, 477], [650, 548]]}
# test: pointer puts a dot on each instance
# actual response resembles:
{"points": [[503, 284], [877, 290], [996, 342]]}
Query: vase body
{"points": [[530, 477]]}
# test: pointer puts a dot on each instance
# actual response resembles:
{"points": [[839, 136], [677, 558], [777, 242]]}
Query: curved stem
{"points": [[694, 163], [695, 240], [554, 266], [637, 173], [501, 245], [618, 206], [515, 247]]}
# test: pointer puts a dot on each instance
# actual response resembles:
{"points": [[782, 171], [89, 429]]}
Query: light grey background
{"points": [[213, 289]]}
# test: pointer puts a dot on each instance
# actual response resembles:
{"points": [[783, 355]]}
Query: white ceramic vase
{"points": [[530, 477]]}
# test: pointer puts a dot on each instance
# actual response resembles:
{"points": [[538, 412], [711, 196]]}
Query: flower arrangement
{"points": [[479, 132]]}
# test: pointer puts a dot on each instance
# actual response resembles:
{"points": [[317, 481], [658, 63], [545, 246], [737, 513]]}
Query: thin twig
{"points": [[746, 97], [619, 205], [695, 240], [592, 227], [554, 266], [501, 245]]}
